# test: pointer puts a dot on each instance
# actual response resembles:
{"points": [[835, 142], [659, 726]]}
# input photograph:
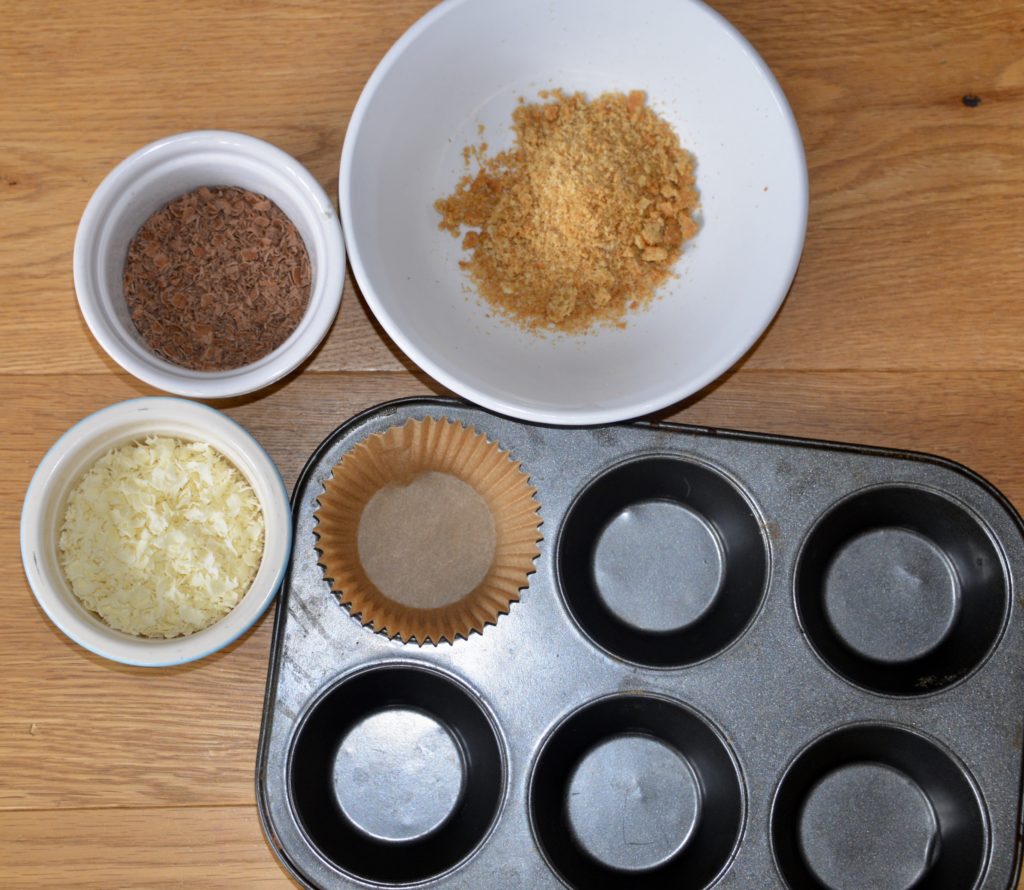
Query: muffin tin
{"points": [[742, 661]]}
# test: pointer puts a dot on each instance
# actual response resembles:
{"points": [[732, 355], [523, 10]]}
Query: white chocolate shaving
{"points": [[161, 538]]}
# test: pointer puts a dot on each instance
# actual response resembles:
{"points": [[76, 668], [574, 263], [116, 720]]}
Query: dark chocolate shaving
{"points": [[217, 279]]}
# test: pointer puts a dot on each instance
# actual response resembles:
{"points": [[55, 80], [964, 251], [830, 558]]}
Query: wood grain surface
{"points": [[903, 328]]}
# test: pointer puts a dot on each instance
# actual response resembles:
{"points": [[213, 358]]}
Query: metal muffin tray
{"points": [[743, 661]]}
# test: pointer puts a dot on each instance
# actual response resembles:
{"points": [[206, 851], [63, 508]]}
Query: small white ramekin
{"points": [[156, 175], [75, 452]]}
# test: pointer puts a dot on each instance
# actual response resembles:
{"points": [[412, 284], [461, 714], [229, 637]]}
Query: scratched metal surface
{"points": [[768, 694]]}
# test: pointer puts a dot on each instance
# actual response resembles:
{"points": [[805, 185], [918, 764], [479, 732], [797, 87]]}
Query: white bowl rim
{"points": [[29, 532], [277, 364], [510, 407]]}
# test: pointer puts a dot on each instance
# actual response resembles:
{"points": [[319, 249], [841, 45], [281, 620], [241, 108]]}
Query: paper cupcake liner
{"points": [[396, 458]]}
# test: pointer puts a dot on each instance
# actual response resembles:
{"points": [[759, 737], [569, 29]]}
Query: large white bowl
{"points": [[157, 174], [467, 62], [75, 452]]}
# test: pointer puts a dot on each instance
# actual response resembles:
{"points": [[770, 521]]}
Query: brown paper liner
{"points": [[396, 457]]}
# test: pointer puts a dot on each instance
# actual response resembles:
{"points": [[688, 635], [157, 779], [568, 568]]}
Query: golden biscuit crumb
{"points": [[583, 218]]}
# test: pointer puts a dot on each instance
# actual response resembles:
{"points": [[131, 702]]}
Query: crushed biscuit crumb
{"points": [[583, 218], [654, 254]]}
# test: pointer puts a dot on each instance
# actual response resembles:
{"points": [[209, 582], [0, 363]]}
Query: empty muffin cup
{"points": [[396, 774], [878, 806], [901, 590], [662, 561], [428, 531], [636, 790]]}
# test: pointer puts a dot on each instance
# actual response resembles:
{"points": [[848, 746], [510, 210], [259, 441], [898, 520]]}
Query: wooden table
{"points": [[904, 328]]}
